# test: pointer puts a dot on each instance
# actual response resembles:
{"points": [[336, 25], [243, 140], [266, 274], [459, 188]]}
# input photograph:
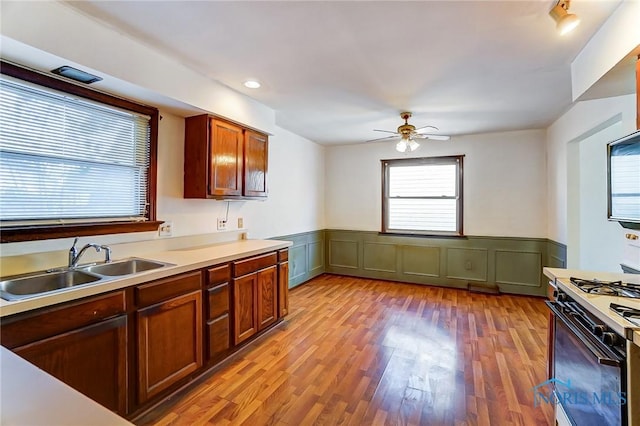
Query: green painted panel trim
{"points": [[420, 261], [445, 261], [424, 260], [306, 256], [381, 257], [471, 264], [517, 267]]}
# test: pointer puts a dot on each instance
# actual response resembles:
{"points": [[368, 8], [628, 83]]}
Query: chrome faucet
{"points": [[74, 255]]}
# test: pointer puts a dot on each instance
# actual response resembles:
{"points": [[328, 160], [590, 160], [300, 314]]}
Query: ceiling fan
{"points": [[407, 133]]}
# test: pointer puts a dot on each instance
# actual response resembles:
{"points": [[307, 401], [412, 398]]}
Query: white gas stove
{"points": [[596, 345]]}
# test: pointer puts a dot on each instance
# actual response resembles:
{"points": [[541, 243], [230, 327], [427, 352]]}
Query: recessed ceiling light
{"points": [[252, 84]]}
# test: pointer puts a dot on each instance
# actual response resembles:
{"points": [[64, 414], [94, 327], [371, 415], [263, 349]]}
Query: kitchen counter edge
{"points": [[183, 260]]}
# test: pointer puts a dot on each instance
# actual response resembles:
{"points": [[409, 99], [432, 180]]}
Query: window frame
{"points": [[449, 159], [20, 233]]}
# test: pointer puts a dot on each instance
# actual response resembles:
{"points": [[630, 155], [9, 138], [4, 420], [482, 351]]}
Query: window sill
{"points": [[422, 235], [40, 232]]}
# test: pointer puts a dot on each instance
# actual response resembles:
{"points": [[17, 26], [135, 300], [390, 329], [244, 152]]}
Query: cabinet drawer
{"points": [[283, 255], [244, 267], [27, 328], [218, 298], [164, 289], [218, 336], [218, 275]]}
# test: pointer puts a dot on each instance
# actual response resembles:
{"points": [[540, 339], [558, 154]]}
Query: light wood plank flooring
{"points": [[362, 352]]}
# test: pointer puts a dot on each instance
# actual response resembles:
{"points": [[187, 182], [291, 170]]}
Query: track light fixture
{"points": [[565, 21]]}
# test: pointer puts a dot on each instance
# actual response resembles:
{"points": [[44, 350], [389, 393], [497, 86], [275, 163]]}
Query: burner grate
{"points": [[607, 288], [630, 314]]}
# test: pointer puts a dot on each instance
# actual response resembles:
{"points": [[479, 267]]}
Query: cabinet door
{"points": [[245, 322], [283, 289], [256, 150], [226, 148], [169, 343], [92, 359], [267, 297]]}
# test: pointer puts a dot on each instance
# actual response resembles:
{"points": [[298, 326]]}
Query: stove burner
{"points": [[608, 288], [630, 314]]}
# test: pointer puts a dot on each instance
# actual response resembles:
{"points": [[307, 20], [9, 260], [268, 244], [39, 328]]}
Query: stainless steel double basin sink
{"points": [[39, 283]]}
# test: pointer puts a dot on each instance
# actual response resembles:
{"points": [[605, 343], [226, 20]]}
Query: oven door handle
{"points": [[602, 358]]}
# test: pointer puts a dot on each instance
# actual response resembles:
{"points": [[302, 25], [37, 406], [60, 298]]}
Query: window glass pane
{"points": [[625, 183], [422, 214], [63, 157], [429, 180]]}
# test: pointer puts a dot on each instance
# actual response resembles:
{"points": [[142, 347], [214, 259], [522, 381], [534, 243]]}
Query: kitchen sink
{"points": [[33, 285], [124, 267], [38, 283]]}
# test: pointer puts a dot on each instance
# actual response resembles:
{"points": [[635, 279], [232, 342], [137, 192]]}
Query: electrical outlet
{"points": [[166, 229], [240, 223], [222, 224]]}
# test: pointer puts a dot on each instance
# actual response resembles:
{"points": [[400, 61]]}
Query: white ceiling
{"points": [[333, 71]]}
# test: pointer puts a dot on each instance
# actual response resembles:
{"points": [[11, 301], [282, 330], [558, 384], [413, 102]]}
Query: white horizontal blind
{"points": [[67, 158], [625, 181], [422, 197]]}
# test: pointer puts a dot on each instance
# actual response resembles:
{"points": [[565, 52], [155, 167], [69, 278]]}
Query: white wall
{"points": [[618, 36], [577, 182], [580, 122], [504, 182], [595, 239]]}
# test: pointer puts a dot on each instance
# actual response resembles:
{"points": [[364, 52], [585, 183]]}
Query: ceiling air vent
{"points": [[76, 74]]}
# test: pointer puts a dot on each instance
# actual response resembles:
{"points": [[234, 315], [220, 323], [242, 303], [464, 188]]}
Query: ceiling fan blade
{"points": [[386, 131], [384, 138], [433, 137], [425, 127]]}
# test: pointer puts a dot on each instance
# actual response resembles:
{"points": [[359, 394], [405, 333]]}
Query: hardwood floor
{"points": [[360, 352]]}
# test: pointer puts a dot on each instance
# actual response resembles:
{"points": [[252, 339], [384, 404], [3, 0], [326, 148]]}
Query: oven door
{"points": [[590, 377]]}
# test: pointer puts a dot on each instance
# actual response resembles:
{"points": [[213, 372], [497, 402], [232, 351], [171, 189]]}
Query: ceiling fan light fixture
{"points": [[413, 145], [565, 21], [401, 146]]}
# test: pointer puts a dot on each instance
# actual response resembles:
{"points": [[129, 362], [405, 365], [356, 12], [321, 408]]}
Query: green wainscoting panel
{"points": [[316, 257], [518, 267], [343, 254], [419, 260], [298, 266], [381, 257], [513, 264], [556, 255], [469, 264], [306, 256]]}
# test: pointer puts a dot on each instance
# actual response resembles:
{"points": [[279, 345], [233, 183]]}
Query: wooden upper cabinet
{"points": [[226, 152], [223, 159], [256, 159]]}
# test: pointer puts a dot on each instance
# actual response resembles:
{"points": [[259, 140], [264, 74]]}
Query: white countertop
{"points": [[29, 396], [184, 260]]}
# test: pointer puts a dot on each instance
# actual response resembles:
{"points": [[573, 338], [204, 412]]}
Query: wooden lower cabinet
{"points": [[283, 289], [91, 359], [169, 343], [245, 320], [267, 297]]}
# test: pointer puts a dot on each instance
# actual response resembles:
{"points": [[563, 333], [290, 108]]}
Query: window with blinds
{"points": [[65, 159], [422, 196]]}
